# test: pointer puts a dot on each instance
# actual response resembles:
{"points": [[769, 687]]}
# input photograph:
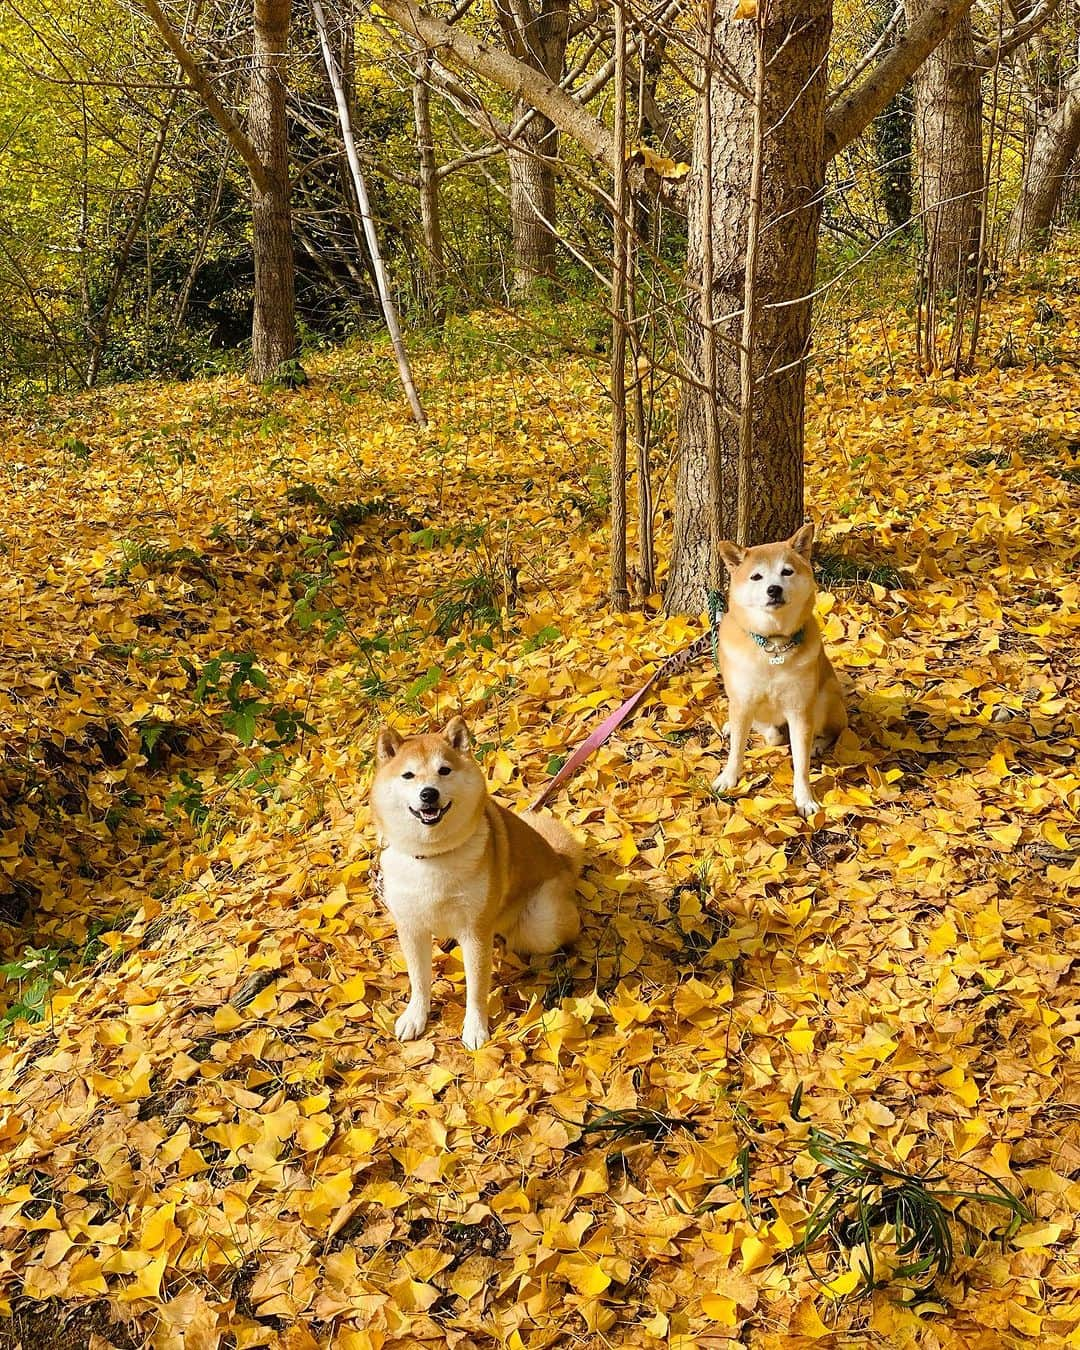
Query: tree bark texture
{"points": [[1052, 151], [536, 34], [273, 333], [428, 181], [948, 141], [532, 204], [796, 43]]}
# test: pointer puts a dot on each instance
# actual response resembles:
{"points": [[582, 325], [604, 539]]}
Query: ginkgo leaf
{"points": [[212, 1119], [661, 165]]}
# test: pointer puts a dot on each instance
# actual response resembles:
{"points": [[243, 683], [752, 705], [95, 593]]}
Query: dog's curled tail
{"points": [[560, 839]]}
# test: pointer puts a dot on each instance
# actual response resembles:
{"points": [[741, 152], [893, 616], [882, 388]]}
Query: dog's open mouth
{"points": [[775, 604], [431, 815]]}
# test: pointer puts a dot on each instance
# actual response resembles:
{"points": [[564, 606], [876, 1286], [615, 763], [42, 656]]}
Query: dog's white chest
{"points": [[441, 893], [770, 687]]}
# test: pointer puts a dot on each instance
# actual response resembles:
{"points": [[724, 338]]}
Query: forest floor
{"points": [[214, 594]]}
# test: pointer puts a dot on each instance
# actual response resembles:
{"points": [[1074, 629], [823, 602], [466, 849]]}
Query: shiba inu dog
{"points": [[775, 671], [457, 864]]}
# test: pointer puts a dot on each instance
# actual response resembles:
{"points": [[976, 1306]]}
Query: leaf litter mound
{"points": [[214, 595]]}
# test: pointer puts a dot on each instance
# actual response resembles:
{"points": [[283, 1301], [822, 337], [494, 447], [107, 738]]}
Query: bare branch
{"points": [[851, 114], [885, 37], [1016, 36], [517, 78], [200, 82]]}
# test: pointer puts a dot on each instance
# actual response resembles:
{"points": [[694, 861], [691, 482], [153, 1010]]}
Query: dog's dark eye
{"points": [[786, 571], [444, 769], [408, 775], [755, 576]]}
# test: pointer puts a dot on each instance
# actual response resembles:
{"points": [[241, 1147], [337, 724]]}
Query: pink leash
{"points": [[674, 665]]}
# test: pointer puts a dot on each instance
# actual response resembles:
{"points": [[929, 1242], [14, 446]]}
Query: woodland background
{"points": [[662, 274]]}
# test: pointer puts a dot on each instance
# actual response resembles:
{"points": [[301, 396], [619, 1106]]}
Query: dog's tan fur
{"points": [[800, 697], [477, 871]]}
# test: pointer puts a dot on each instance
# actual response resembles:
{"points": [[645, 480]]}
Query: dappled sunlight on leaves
{"points": [[211, 1126]]}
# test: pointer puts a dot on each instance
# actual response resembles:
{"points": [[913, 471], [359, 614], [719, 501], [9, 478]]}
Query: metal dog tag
{"points": [[777, 660]]}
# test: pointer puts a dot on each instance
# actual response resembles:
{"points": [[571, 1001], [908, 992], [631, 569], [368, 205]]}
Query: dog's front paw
{"points": [[725, 782], [807, 805], [410, 1025], [474, 1033]]}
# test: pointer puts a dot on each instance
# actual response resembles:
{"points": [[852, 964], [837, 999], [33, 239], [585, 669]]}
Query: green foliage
{"points": [[235, 680], [152, 556], [32, 974], [835, 570], [870, 1208], [484, 594], [189, 799]]}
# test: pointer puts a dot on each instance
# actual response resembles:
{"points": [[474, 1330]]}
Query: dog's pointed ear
{"points": [[731, 555], [387, 744], [457, 733], [802, 541]]}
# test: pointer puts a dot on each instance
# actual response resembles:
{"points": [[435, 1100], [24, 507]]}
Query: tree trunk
{"points": [[532, 204], [537, 37], [1052, 151], [428, 181], [796, 43], [948, 140], [273, 334], [651, 57]]}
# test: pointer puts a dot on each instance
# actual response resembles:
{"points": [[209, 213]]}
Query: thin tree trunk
{"points": [[796, 37], [273, 334], [82, 243], [537, 37], [385, 298], [948, 138], [638, 423], [749, 314], [184, 298], [430, 216], [620, 597], [714, 459], [1053, 149], [532, 204]]}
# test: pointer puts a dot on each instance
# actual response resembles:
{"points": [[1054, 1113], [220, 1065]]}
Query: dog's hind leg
{"points": [[772, 735], [831, 721], [548, 920]]}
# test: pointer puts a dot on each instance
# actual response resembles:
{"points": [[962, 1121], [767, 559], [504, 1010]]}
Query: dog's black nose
{"points": [[775, 592], [429, 796]]}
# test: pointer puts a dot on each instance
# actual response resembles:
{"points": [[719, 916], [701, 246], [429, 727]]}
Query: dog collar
{"points": [[777, 650]]}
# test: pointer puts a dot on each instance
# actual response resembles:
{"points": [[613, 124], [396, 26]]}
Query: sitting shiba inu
{"points": [[457, 864], [775, 671]]}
